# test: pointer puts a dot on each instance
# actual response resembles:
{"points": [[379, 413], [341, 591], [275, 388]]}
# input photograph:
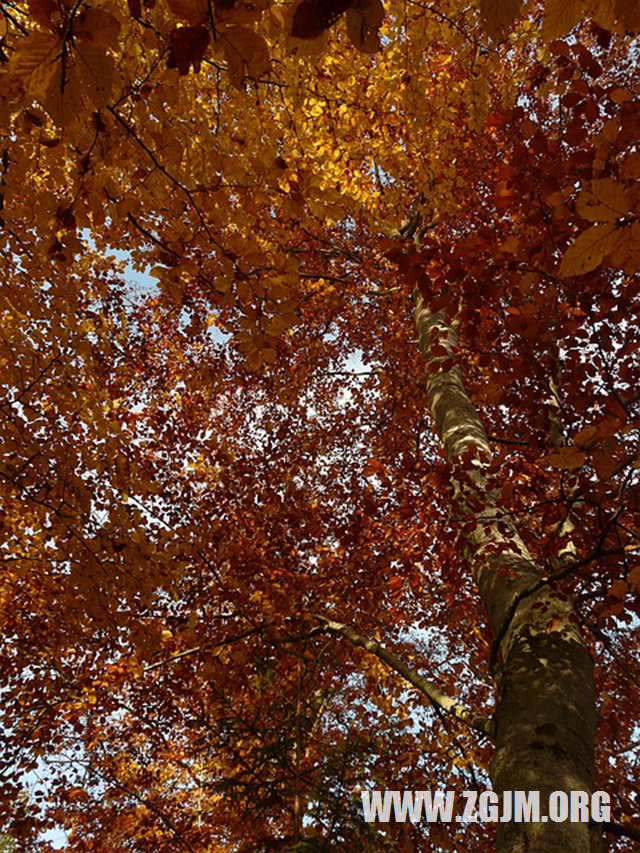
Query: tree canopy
{"points": [[319, 418]]}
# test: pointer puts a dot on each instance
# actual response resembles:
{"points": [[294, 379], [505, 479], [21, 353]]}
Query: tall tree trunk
{"points": [[544, 722]]}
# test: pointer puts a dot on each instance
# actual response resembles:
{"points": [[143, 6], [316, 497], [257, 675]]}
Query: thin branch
{"points": [[172, 659], [621, 830], [629, 748], [185, 190], [436, 696], [229, 640]]}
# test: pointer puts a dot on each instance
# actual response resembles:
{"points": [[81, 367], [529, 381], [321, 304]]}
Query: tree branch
{"points": [[436, 696], [621, 830]]}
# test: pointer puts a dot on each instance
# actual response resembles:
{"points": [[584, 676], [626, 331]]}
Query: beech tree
{"points": [[319, 419]]}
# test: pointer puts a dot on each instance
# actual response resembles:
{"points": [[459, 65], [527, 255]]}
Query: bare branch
{"points": [[435, 695]]}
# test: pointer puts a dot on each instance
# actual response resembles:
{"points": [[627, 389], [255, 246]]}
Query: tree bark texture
{"points": [[544, 722]]}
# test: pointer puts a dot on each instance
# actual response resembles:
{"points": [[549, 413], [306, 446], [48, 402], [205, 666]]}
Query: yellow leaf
{"points": [[589, 250]]}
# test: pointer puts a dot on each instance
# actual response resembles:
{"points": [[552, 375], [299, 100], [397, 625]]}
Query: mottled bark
{"points": [[544, 722]]}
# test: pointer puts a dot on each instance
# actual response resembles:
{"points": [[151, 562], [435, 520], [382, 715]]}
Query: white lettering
{"points": [[600, 806], [558, 806]]}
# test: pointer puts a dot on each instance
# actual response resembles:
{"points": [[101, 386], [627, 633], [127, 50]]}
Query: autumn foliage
{"points": [[225, 455]]}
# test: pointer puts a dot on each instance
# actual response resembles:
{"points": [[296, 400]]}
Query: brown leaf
{"points": [[498, 14], [363, 37], [567, 458], [35, 61], [187, 47], [95, 68], [589, 250], [306, 21], [97, 26], [63, 100], [312, 17], [627, 13], [246, 53], [194, 11], [42, 10], [560, 16]]}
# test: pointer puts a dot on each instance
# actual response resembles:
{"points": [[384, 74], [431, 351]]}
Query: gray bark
{"points": [[544, 723]]}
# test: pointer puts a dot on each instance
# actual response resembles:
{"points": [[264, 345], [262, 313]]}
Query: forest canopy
{"points": [[319, 419]]}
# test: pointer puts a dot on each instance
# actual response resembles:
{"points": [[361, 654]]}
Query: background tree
{"points": [[248, 553]]}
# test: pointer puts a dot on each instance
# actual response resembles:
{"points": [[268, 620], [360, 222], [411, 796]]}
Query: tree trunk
{"points": [[544, 721]]}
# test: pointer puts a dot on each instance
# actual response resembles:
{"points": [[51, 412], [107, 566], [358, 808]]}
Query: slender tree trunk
{"points": [[544, 722]]}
